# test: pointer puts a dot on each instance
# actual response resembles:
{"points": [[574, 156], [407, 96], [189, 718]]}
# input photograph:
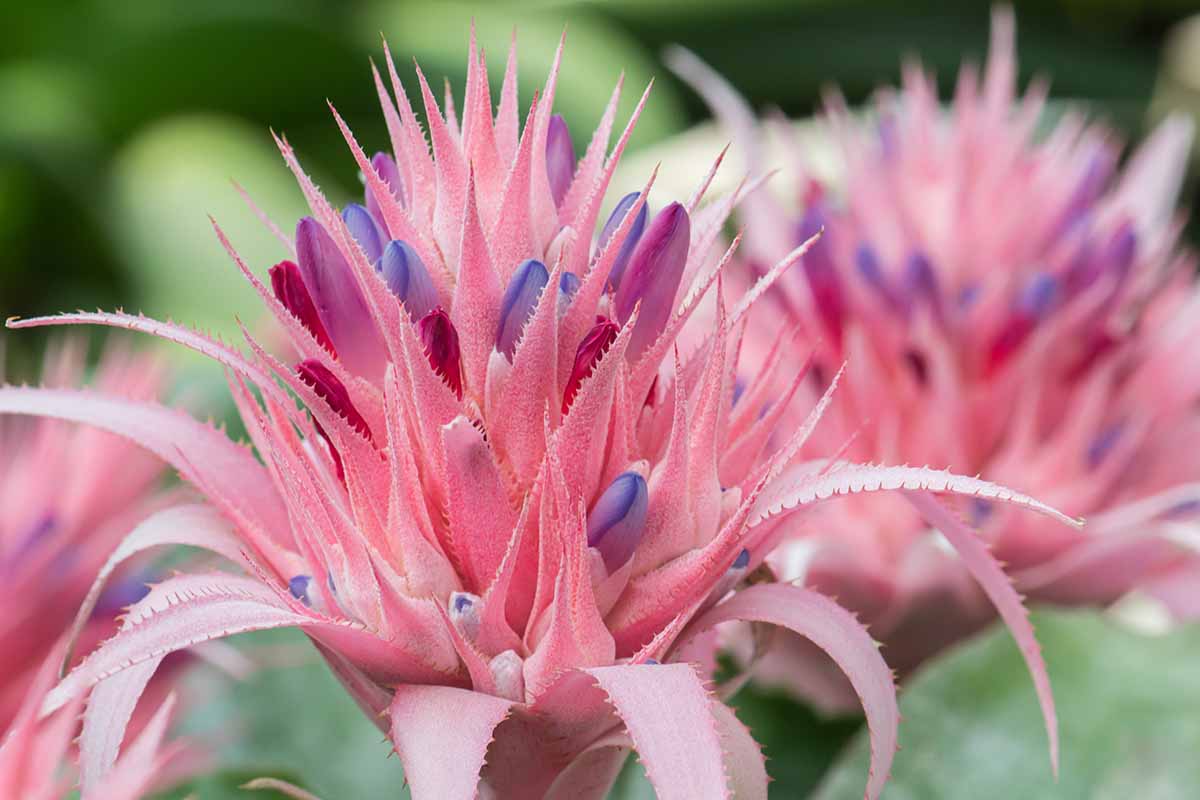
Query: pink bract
{"points": [[507, 531], [1008, 302]]}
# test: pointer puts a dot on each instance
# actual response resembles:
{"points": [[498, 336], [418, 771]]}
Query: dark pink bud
{"points": [[290, 290], [333, 392], [593, 346], [441, 346], [560, 158], [653, 275]]}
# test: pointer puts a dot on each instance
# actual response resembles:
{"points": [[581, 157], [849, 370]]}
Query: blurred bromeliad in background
{"points": [[1008, 301], [68, 495]]}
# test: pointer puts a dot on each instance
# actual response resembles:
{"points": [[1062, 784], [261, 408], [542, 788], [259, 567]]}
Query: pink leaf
{"points": [[838, 633], [986, 569], [442, 736], [669, 717]]}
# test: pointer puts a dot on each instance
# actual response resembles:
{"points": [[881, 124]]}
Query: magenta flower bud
{"points": [[332, 391], [617, 521], [290, 290], [560, 158], [653, 277], [364, 230], [406, 276], [627, 247], [520, 298], [441, 346], [568, 285], [593, 346], [339, 303], [385, 165]]}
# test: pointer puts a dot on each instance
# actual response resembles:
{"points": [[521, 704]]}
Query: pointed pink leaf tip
{"points": [[441, 346], [407, 277], [631, 239], [290, 290], [653, 276], [520, 298], [385, 166], [618, 519], [593, 346], [560, 158], [332, 391]]}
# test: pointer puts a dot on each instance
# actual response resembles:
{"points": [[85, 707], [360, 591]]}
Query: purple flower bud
{"points": [[385, 165], [568, 285], [635, 233], [1038, 296], [406, 276], [364, 230], [618, 519], [653, 277], [872, 274], [464, 613], [520, 299], [298, 586], [1104, 442], [339, 303], [742, 561], [1121, 248], [921, 283], [560, 158]]}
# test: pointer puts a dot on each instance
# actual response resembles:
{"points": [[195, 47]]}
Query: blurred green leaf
{"points": [[295, 723], [596, 53], [1128, 707], [165, 185]]}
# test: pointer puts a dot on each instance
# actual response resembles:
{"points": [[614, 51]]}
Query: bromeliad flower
{"points": [[513, 511], [68, 494], [1009, 303]]}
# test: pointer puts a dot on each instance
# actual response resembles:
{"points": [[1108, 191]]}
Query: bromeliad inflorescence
{"points": [[1009, 303], [515, 505]]}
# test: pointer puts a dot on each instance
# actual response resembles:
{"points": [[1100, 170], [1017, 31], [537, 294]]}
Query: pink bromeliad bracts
{"points": [[68, 495], [514, 511], [1008, 303]]}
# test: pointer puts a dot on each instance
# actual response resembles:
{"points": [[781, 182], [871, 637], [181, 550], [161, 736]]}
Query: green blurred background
{"points": [[122, 124]]}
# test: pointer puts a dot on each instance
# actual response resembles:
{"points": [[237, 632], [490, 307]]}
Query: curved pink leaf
{"points": [[442, 735], [193, 525], [228, 472], [842, 637], [668, 714], [204, 608], [843, 479], [109, 709], [744, 763], [984, 567]]}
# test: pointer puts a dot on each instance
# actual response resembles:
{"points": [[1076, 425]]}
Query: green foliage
{"points": [[1127, 707]]}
